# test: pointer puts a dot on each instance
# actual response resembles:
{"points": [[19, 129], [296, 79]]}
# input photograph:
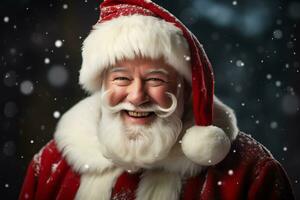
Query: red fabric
{"points": [[202, 73], [255, 175], [49, 177], [126, 185]]}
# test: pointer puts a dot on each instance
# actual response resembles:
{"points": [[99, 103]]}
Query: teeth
{"points": [[138, 114]]}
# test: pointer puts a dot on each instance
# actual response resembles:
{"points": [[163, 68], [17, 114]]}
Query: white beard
{"points": [[136, 146]]}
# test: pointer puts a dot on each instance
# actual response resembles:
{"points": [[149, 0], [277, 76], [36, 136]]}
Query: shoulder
{"points": [[48, 159], [249, 148], [246, 155]]}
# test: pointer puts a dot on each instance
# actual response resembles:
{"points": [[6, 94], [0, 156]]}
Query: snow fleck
{"points": [[180, 141], [31, 141], [26, 196], [187, 58], [65, 6], [56, 114], [46, 60], [269, 76], [257, 122], [230, 172], [273, 125], [234, 151], [240, 63], [49, 180], [179, 85], [6, 185], [58, 43], [296, 181], [54, 167], [234, 3], [209, 161], [219, 182], [86, 167], [10, 78], [243, 104], [57, 75], [6, 19], [287, 65], [37, 161], [278, 83], [26, 87], [285, 149], [277, 34]]}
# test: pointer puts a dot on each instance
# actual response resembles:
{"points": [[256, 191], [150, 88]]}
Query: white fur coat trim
{"points": [[76, 138], [97, 187]]}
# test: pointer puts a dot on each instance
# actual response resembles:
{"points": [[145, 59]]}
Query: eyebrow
{"points": [[118, 69], [160, 71]]}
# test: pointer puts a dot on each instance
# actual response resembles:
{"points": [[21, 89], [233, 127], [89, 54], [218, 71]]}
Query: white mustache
{"points": [[158, 110]]}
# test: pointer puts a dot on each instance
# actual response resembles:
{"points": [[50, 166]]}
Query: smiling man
{"points": [[152, 128]]}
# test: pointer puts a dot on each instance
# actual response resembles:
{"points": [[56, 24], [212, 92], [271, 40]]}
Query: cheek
{"points": [[116, 95], [160, 97]]}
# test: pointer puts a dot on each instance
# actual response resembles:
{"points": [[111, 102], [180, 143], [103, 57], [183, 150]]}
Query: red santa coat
{"points": [[248, 172], [59, 172]]}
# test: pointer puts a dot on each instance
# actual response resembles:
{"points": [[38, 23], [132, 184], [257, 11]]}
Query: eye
{"points": [[155, 81], [121, 80]]}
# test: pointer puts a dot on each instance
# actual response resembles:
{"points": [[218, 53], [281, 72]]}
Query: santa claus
{"points": [[152, 128]]}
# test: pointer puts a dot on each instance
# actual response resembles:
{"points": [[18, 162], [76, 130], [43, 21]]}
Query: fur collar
{"points": [[76, 138]]}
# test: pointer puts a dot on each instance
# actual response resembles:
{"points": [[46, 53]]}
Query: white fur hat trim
{"points": [[128, 37], [205, 145]]}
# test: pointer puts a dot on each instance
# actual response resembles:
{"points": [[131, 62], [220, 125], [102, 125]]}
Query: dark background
{"points": [[251, 44]]}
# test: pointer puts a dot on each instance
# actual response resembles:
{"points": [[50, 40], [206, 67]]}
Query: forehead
{"points": [[145, 65]]}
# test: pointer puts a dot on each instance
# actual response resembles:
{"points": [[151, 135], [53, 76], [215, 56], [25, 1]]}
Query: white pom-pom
{"points": [[205, 145]]}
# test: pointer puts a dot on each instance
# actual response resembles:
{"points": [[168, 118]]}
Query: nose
{"points": [[137, 94]]}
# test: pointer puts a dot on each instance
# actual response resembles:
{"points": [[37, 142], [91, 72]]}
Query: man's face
{"points": [[141, 112], [141, 82]]}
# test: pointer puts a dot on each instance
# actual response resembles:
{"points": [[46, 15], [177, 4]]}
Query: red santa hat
{"points": [[127, 28]]}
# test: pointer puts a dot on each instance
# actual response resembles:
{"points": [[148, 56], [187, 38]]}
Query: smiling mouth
{"points": [[136, 114]]}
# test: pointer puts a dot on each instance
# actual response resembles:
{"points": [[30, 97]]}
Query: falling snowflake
{"points": [[65, 6], [285, 149], [273, 125], [234, 3], [58, 43], [278, 83], [230, 172], [269, 76], [6, 19], [277, 34], [187, 58], [46, 60], [26, 87], [240, 63], [56, 114], [57, 75]]}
